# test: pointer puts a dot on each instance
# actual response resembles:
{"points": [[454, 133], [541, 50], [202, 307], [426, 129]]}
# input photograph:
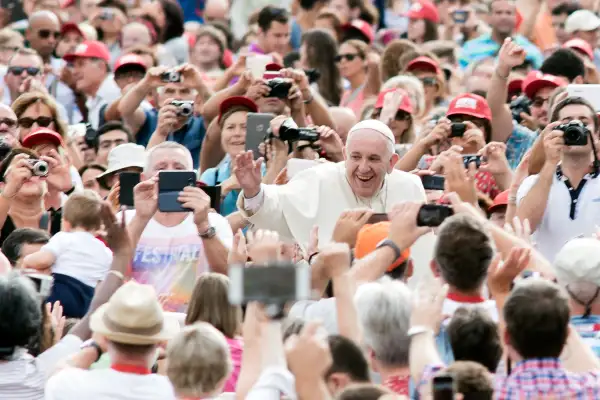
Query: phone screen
{"points": [[443, 388], [257, 127], [170, 183], [127, 181], [433, 182]]}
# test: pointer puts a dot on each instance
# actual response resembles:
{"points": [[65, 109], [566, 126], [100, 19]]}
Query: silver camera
{"points": [[39, 167], [171, 76], [185, 108]]}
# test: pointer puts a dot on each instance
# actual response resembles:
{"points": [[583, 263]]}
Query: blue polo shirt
{"points": [[484, 46], [191, 135]]}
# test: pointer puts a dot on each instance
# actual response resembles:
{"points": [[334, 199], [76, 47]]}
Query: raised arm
{"points": [[211, 107], [211, 152]]}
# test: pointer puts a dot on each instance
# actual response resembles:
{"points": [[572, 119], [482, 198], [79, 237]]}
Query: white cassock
{"points": [[318, 195]]}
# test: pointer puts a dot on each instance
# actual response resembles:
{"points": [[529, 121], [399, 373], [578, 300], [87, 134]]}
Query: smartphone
{"points": [[443, 387], [590, 93], [127, 181], [377, 218], [295, 165], [170, 183], [433, 182], [271, 284], [433, 214], [457, 129], [257, 64], [460, 16], [472, 158], [257, 126], [214, 192], [107, 14]]}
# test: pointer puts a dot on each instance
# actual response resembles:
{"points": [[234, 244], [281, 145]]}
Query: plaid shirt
{"points": [[543, 379]]}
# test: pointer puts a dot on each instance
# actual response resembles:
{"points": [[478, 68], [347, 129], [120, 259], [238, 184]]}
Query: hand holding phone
{"points": [[433, 214], [471, 158], [443, 387], [433, 182], [127, 181]]}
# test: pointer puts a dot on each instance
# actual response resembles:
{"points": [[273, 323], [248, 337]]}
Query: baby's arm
{"points": [[39, 260]]}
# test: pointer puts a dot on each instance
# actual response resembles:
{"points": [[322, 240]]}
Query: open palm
{"points": [[248, 173]]}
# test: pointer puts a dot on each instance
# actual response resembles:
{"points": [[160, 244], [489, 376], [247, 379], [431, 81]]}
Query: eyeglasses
{"points": [[429, 81], [539, 102], [45, 34], [349, 57], [11, 123], [31, 71], [27, 122]]}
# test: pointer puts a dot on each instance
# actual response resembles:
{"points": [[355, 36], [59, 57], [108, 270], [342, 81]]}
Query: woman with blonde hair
{"points": [[210, 303], [37, 110]]}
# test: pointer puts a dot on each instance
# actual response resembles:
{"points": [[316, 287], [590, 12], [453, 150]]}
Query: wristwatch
{"points": [[210, 233], [92, 343], [392, 245]]}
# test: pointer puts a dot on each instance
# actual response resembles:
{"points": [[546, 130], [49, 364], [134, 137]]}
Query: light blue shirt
{"points": [[217, 175], [484, 46]]}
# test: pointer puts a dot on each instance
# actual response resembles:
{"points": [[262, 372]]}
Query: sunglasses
{"points": [[45, 34], [538, 102], [27, 122], [429, 81], [31, 71], [11, 123], [349, 57]]}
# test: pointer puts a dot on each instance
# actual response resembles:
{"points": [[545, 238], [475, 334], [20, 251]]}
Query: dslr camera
{"points": [[520, 105], [185, 108], [170, 76], [38, 167], [575, 133], [290, 132], [280, 88]]}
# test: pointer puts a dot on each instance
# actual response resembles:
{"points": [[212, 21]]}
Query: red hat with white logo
{"points": [[423, 9], [536, 80], [130, 60], [405, 102], [361, 26], [581, 46], [42, 135], [89, 49], [272, 71], [469, 104], [71, 27], [423, 63]]}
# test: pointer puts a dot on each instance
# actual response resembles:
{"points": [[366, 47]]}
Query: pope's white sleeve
{"points": [[254, 203]]}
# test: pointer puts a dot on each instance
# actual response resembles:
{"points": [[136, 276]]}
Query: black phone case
{"points": [[433, 182], [257, 126], [127, 181], [214, 192], [170, 183], [433, 214]]}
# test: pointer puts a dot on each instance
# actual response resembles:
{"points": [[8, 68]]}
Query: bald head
{"points": [[344, 119], [43, 16], [216, 10], [135, 34], [43, 33]]}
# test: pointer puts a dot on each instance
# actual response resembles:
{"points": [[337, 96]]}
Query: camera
{"points": [[185, 108], [520, 105], [433, 215], [280, 88], [170, 76], [38, 167], [312, 74], [457, 129], [575, 133], [290, 132], [471, 158]]}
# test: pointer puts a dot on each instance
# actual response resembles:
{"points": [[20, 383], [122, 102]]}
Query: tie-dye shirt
{"points": [[171, 258]]}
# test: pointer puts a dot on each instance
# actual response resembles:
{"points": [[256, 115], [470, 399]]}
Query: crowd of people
{"points": [[307, 199]]}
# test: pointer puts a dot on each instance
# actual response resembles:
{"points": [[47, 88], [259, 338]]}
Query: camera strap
{"points": [[573, 192]]}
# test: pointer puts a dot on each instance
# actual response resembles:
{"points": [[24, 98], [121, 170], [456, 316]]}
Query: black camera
{"points": [[290, 132], [280, 88], [433, 214], [185, 108], [521, 104], [575, 133], [312, 74], [38, 167], [457, 129], [171, 76]]}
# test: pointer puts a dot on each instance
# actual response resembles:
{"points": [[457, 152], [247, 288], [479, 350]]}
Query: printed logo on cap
{"points": [[416, 7], [81, 48], [466, 102]]}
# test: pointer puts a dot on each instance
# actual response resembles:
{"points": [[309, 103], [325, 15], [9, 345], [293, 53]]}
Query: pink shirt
{"points": [[236, 347], [354, 100]]}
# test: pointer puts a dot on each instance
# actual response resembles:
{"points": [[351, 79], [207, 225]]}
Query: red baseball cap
{"points": [[42, 135], [423, 63], [469, 104], [535, 80], [580, 45], [71, 26], [405, 103], [423, 9], [369, 236], [130, 59], [361, 26], [272, 71], [89, 49], [501, 200], [236, 101], [515, 86]]}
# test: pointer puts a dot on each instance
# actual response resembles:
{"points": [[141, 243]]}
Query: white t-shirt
{"points": [[107, 384], [556, 227], [171, 258], [80, 255]]}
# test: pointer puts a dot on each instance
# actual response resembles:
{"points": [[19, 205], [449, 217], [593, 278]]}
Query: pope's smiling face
{"points": [[368, 159]]}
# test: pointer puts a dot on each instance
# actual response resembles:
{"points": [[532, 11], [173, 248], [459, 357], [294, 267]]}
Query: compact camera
{"points": [[457, 129], [39, 167], [280, 88], [290, 132], [185, 108], [171, 76], [575, 133], [521, 104]]}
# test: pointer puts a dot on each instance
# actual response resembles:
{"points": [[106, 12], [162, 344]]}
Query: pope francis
{"points": [[317, 196]]}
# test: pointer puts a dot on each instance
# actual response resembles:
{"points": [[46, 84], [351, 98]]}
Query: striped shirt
{"points": [[484, 46], [25, 377], [589, 330]]}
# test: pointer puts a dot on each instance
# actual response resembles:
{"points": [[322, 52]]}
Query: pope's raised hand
{"points": [[248, 173]]}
